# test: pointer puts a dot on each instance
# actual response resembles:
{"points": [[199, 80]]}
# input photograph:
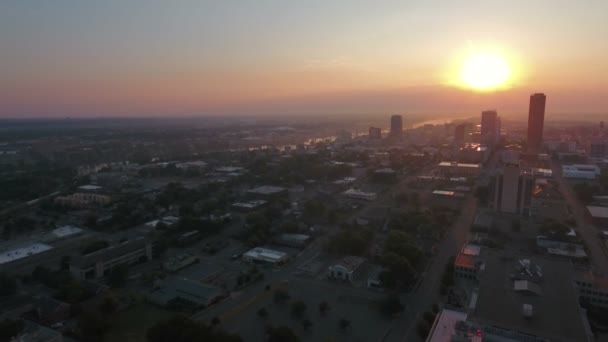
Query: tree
{"points": [[215, 321], [391, 305], [482, 193], [429, 317], [314, 208], [108, 305], [306, 324], [262, 313], [118, 276], [8, 285], [388, 279], [92, 327], [180, 328], [323, 307], [344, 324], [516, 225], [423, 329], [10, 328], [280, 296], [298, 308], [282, 334]]}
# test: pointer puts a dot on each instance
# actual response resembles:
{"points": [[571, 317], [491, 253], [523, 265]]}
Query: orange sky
{"points": [[67, 58]]}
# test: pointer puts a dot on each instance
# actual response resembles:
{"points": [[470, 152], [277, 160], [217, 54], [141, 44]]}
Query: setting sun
{"points": [[485, 71]]}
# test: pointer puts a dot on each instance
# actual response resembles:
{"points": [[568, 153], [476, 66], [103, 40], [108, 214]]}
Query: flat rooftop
{"points": [[598, 212], [552, 298], [476, 166], [351, 263], [265, 254], [23, 252], [249, 204], [445, 325], [89, 187], [267, 190], [229, 169], [66, 231]]}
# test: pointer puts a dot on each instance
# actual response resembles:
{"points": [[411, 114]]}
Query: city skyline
{"points": [[207, 58]]}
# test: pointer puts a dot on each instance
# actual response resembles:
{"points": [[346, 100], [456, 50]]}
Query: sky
{"points": [[250, 57]]}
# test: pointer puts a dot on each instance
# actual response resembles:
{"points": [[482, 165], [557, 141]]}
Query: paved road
{"points": [[427, 292], [587, 231]]}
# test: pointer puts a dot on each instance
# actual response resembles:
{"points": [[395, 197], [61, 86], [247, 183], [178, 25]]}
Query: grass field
{"points": [[131, 325]]}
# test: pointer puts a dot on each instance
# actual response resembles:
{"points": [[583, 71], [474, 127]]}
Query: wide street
{"points": [[427, 292], [587, 231]]}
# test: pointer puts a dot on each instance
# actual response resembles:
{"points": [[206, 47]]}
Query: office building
{"points": [[514, 299], [536, 120], [460, 133], [459, 169], [513, 190], [347, 269], [265, 256], [375, 133], [598, 149], [100, 263], [396, 125], [490, 127], [185, 293]]}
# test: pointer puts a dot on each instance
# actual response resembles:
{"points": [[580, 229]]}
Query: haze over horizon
{"points": [[179, 58]]}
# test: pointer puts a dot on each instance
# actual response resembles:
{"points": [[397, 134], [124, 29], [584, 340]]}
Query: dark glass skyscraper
{"points": [[536, 121], [490, 129], [396, 125]]}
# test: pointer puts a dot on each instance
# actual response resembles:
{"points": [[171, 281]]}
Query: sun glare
{"points": [[485, 71]]}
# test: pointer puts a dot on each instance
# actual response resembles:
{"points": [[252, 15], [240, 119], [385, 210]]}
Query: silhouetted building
{"points": [[490, 127], [598, 149], [459, 133], [375, 133], [513, 190], [396, 125], [536, 120]]}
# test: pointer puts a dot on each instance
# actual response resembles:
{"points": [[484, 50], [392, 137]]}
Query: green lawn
{"points": [[131, 325]]}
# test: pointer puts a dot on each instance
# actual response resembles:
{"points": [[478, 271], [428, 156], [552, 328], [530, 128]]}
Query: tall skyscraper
{"points": [[396, 126], [536, 121], [513, 189], [460, 133], [490, 127]]}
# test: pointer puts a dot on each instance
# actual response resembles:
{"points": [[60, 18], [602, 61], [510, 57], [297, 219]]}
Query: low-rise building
{"points": [[468, 262], [347, 269], [268, 192], [460, 169], [294, 240], [83, 200], [561, 248], [192, 165], [177, 262], [362, 195], [99, 264], [516, 299], [184, 293], [592, 288], [599, 215], [33, 332], [265, 255], [23, 252], [249, 205], [48, 311], [189, 237], [581, 171]]}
